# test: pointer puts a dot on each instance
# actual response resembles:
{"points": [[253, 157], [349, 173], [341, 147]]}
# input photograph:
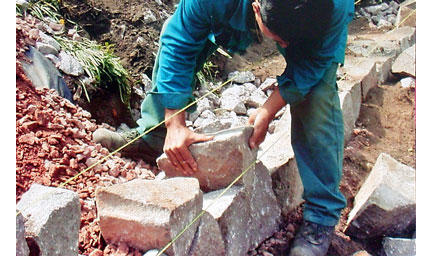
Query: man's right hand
{"points": [[263, 116], [177, 142]]}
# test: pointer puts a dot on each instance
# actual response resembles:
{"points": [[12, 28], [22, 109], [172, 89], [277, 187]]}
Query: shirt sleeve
{"points": [[184, 38], [303, 72]]}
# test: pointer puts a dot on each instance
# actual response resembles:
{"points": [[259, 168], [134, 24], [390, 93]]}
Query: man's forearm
{"points": [[174, 120], [273, 104]]}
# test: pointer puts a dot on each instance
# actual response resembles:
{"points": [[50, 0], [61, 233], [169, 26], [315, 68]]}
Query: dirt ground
{"points": [[386, 125]]}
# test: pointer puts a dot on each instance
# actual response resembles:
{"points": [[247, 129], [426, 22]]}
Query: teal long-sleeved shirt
{"points": [[303, 72], [225, 22]]}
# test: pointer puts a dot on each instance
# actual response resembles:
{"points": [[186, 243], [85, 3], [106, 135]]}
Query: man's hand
{"points": [[177, 141], [263, 116], [260, 121]]}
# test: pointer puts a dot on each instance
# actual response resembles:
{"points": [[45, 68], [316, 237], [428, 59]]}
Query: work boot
{"points": [[312, 240], [114, 140]]}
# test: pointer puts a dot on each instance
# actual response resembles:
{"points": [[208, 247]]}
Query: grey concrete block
{"points": [[399, 246]]}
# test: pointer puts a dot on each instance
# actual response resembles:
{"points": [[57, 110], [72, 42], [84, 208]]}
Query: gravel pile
{"points": [[54, 143], [381, 15]]}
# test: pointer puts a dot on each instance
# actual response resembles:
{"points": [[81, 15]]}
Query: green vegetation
{"points": [[99, 64], [208, 73], [98, 61], [42, 9]]}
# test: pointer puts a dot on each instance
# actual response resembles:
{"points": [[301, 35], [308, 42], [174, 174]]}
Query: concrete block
{"points": [[220, 161], [148, 214], [385, 205], [52, 219]]}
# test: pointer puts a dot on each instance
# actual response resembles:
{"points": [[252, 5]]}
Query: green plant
{"points": [[99, 63], [208, 73], [42, 9]]}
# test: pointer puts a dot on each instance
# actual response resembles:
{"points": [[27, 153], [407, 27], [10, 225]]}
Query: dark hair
{"points": [[297, 21]]}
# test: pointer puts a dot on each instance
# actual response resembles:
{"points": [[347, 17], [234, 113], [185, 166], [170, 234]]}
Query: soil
{"points": [[135, 40], [123, 24], [386, 125], [386, 122]]}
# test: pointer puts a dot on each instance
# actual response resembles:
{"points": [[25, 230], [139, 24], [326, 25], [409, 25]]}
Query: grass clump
{"points": [[98, 61]]}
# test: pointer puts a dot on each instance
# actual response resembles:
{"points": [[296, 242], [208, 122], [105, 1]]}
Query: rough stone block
{"points": [[148, 214], [52, 219], [399, 246], [265, 211], [383, 48], [277, 146], [22, 248], [232, 213], [242, 77], [361, 253], [401, 38], [208, 238], [370, 47], [383, 67], [361, 69], [287, 186], [347, 113], [350, 100], [405, 36], [385, 205], [219, 161], [279, 159], [406, 14], [248, 214], [405, 63]]}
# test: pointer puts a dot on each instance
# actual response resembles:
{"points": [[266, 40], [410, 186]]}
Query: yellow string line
{"points": [[219, 196], [146, 132], [409, 15]]}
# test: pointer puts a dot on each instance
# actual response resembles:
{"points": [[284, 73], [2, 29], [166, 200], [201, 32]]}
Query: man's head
{"points": [[286, 21]]}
